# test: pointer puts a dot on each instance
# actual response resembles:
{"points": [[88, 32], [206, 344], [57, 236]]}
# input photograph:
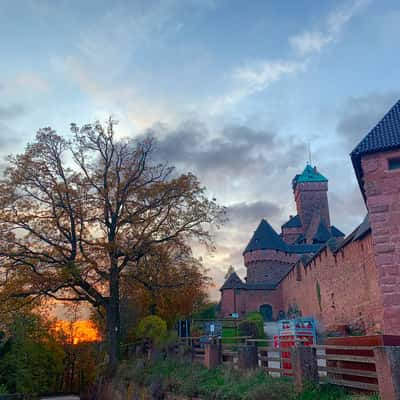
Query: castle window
{"points": [[394, 163]]}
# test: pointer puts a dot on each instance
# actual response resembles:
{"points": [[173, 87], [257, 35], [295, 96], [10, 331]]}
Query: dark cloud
{"points": [[362, 113], [251, 213], [11, 111], [235, 150], [347, 208]]}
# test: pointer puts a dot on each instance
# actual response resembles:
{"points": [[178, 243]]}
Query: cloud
{"points": [[255, 77], [221, 156], [361, 114], [309, 42], [251, 213], [11, 111], [28, 80], [9, 137]]}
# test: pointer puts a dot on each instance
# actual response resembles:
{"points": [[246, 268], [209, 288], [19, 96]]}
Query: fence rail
{"points": [[359, 368]]}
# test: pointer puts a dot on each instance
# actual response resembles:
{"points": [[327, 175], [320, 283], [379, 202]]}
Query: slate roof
{"points": [[233, 282], [358, 233], [336, 232], [263, 286], [303, 248], [383, 137], [310, 174], [265, 238], [363, 229], [322, 234], [294, 222]]}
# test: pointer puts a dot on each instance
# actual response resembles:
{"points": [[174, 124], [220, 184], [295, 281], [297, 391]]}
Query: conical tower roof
{"points": [[322, 234], [265, 238], [233, 282]]}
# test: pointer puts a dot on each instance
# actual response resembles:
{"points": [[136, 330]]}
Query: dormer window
{"points": [[394, 163]]}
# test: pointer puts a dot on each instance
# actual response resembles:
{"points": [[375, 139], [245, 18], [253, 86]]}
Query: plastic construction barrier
{"points": [[291, 332]]}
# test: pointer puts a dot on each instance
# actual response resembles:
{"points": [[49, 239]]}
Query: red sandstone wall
{"points": [[348, 287], [250, 300], [311, 198], [262, 255], [255, 298], [291, 234], [265, 271], [382, 189]]}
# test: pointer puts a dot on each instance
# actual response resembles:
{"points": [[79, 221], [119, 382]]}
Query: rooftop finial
{"points": [[309, 154]]}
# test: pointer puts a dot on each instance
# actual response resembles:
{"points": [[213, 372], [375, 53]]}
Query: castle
{"points": [[311, 269]]}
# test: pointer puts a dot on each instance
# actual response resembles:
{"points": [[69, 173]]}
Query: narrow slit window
{"points": [[394, 163]]}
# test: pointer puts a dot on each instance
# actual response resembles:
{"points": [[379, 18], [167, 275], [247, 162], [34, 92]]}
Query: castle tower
{"points": [[376, 161], [310, 190]]}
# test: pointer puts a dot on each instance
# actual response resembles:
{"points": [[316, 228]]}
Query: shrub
{"points": [[153, 328], [194, 380], [253, 325], [249, 328]]}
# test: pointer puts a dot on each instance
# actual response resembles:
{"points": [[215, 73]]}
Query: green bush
{"points": [[194, 380], [31, 361], [153, 328], [252, 325], [249, 328], [330, 392]]}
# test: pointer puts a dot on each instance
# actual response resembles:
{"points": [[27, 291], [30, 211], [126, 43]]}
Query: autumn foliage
{"points": [[84, 216]]}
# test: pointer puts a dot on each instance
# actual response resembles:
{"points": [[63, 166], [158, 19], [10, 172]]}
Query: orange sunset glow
{"points": [[81, 331]]}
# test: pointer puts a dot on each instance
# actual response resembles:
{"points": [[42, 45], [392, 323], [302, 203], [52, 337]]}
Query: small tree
{"points": [[76, 214]]}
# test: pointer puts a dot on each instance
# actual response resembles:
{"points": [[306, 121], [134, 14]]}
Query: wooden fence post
{"points": [[387, 363], [304, 366], [212, 355], [247, 357]]}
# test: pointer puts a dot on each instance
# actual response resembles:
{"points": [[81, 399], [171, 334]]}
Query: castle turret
{"points": [[311, 195]]}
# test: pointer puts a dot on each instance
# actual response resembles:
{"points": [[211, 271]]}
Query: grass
{"points": [[193, 380], [228, 333], [330, 392]]}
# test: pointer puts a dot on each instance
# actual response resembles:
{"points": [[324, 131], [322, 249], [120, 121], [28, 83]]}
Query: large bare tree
{"points": [[77, 212]]}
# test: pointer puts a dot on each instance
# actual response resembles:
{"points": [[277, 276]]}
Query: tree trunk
{"points": [[113, 319]]}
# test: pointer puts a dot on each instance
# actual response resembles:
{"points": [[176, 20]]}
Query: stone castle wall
{"points": [[273, 255], [338, 289], [382, 190], [358, 286], [250, 300]]}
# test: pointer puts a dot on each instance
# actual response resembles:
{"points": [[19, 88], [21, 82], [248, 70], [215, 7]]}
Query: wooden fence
{"points": [[357, 368], [349, 366]]}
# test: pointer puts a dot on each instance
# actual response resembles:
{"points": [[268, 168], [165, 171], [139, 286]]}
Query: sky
{"points": [[234, 91]]}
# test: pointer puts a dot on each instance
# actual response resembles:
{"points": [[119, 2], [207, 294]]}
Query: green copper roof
{"points": [[310, 174]]}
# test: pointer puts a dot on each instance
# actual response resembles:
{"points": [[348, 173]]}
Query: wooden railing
{"points": [[353, 367], [348, 366]]}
